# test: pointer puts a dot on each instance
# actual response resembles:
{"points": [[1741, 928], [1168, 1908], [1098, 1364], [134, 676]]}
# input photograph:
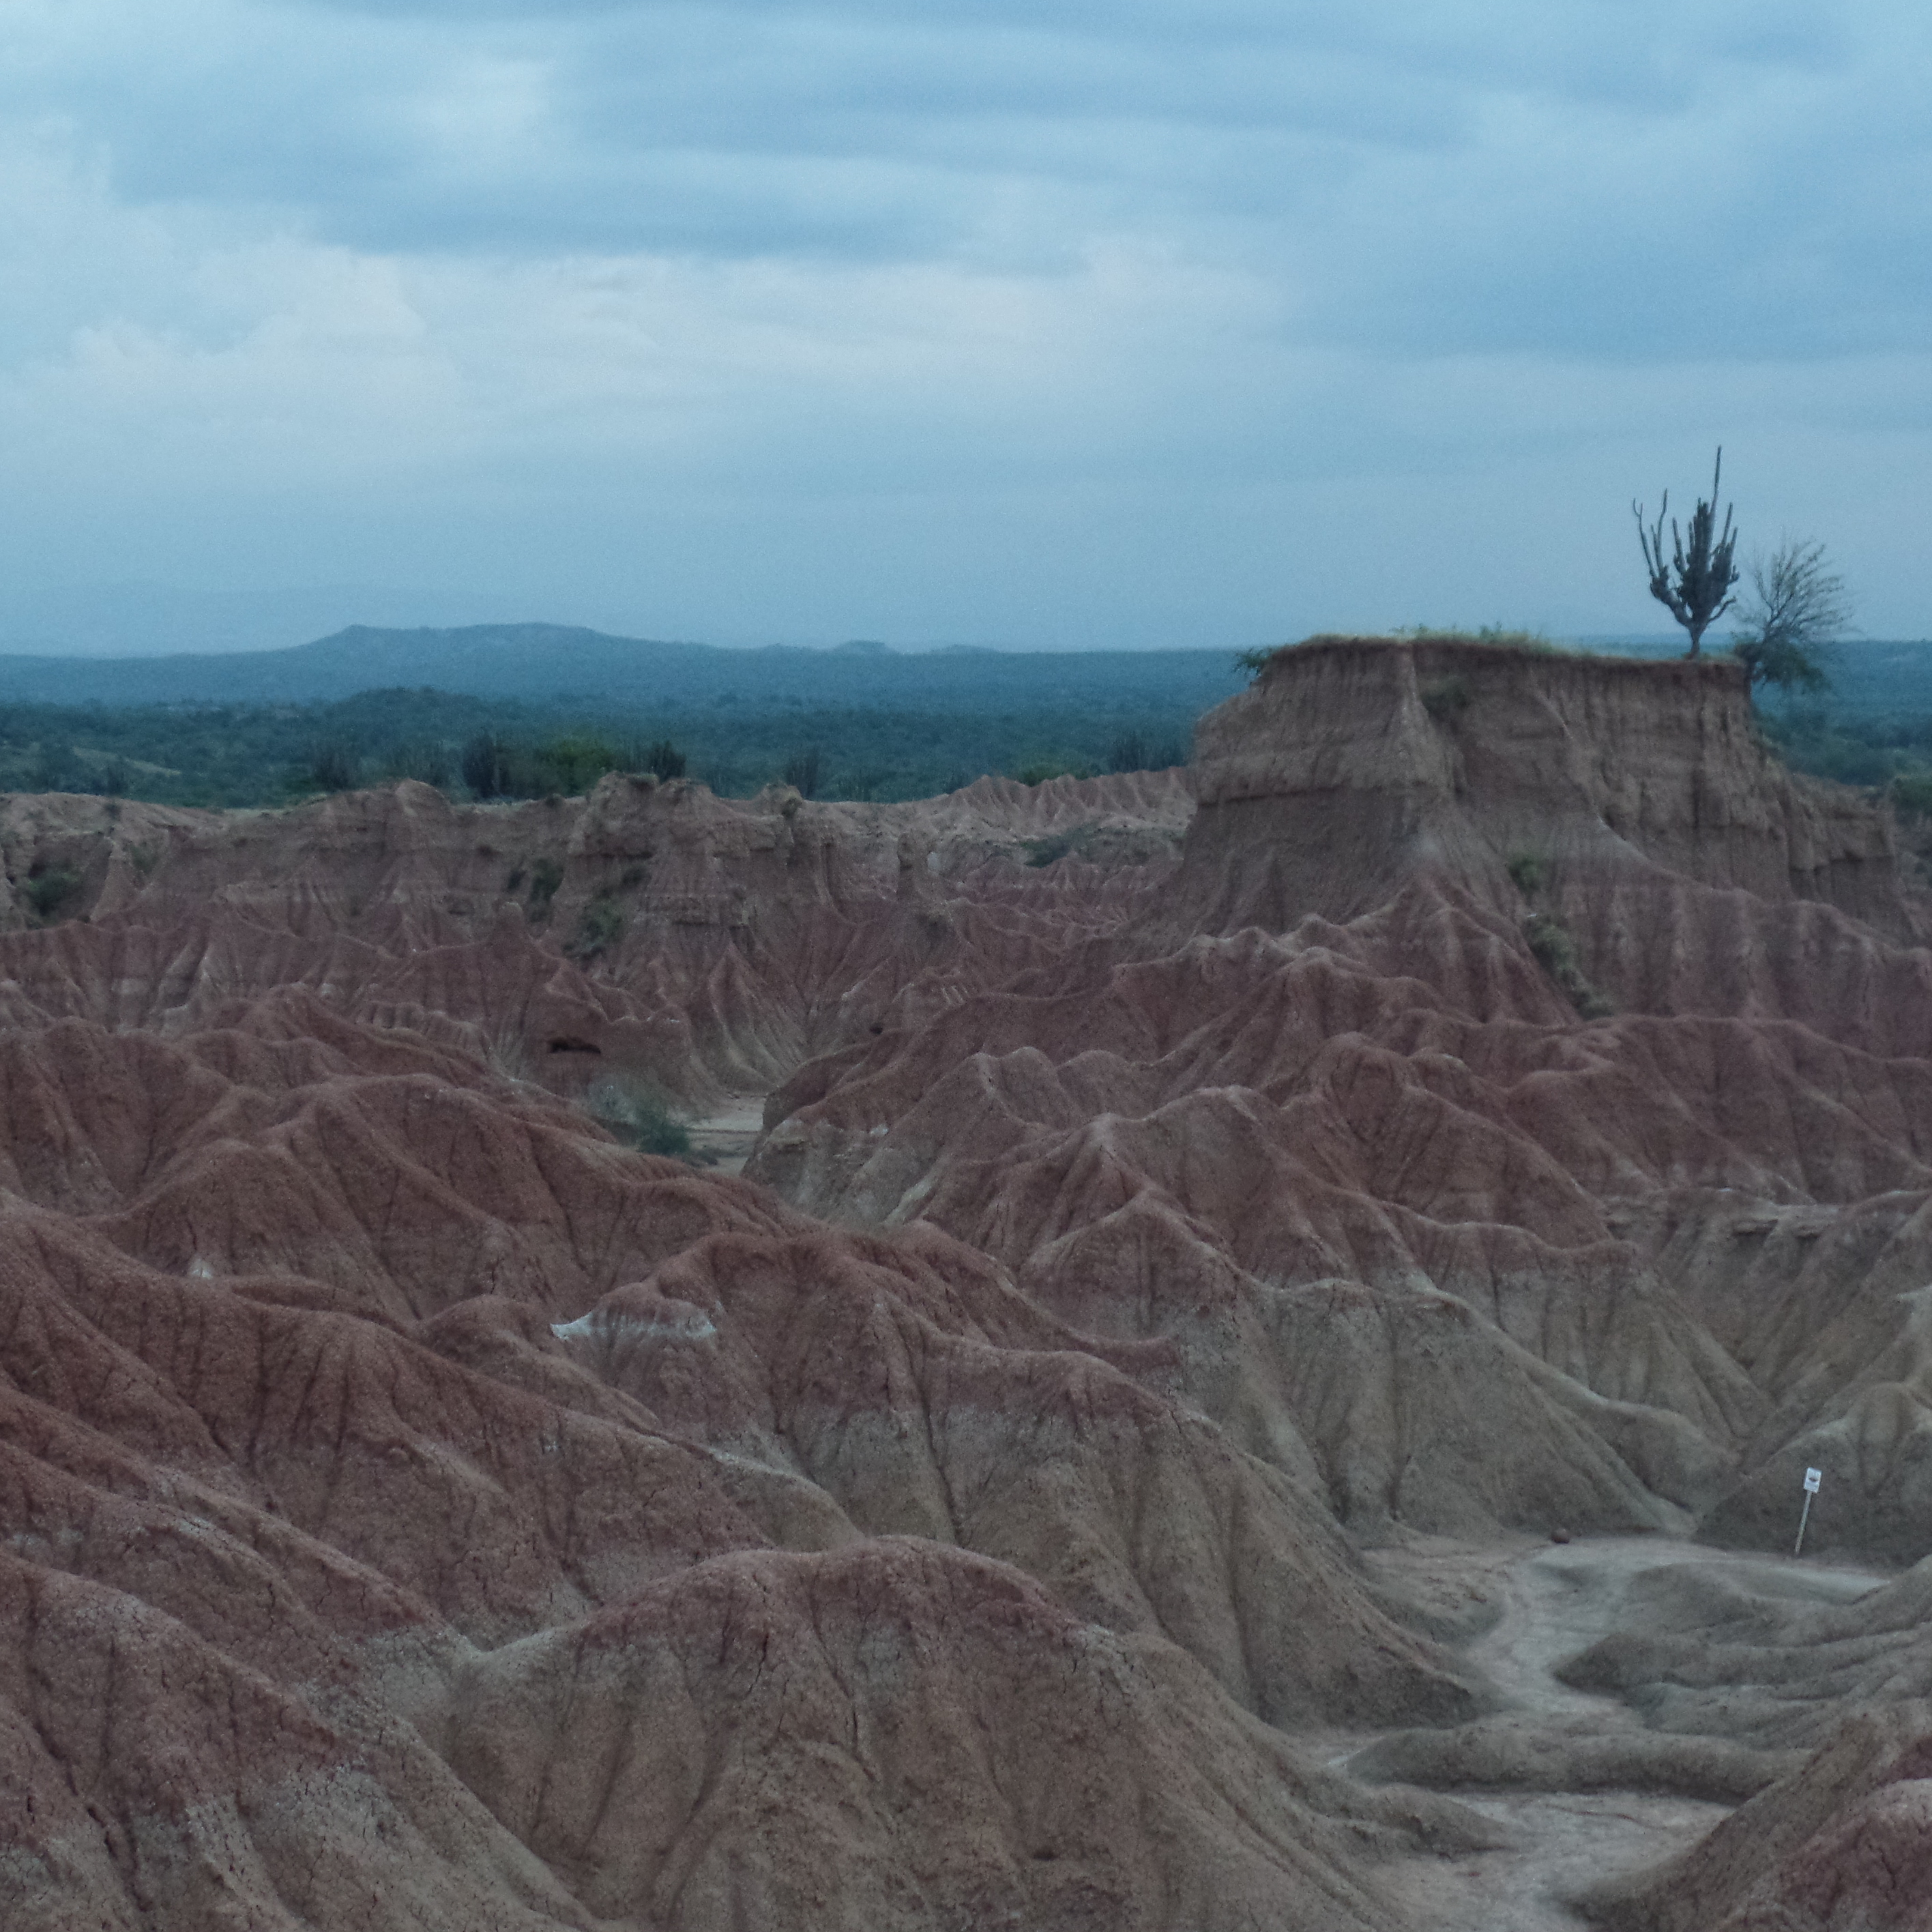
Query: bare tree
{"points": [[1701, 562], [1796, 605]]}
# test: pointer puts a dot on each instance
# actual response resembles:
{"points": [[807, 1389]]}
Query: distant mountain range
{"points": [[545, 662]]}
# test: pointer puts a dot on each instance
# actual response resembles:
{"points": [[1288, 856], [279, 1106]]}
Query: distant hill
{"points": [[1876, 677], [550, 662], [553, 663]]}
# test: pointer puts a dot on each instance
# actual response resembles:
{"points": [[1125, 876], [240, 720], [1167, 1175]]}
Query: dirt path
{"points": [[1557, 1600], [725, 1137]]}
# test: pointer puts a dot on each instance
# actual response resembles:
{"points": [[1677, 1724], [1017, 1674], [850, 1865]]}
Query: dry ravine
{"points": [[1587, 1794]]}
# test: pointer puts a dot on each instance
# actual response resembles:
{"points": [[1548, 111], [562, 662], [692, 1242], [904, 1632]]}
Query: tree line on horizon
{"points": [[1794, 610], [1874, 730], [489, 749]]}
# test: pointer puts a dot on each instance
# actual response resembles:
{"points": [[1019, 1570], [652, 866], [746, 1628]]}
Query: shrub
{"points": [[575, 762], [1911, 793], [1041, 769], [1509, 639], [1527, 872], [601, 924], [48, 891], [1556, 952], [640, 1114], [1045, 851], [546, 875], [1447, 698], [663, 759], [1796, 608], [1498, 637]]}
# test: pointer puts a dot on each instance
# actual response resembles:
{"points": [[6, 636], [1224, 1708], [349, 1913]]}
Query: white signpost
{"points": [[1813, 1478]]}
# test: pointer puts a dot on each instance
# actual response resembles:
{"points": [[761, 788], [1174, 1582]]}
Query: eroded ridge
{"points": [[1258, 1372]]}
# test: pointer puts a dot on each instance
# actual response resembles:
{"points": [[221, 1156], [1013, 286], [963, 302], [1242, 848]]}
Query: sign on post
{"points": [[1813, 1478]]}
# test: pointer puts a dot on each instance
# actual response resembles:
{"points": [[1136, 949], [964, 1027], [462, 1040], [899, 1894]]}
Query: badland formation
{"points": [[1210, 1231]]}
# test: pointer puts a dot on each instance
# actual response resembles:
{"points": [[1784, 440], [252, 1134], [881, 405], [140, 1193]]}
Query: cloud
{"points": [[1539, 168], [1134, 316]]}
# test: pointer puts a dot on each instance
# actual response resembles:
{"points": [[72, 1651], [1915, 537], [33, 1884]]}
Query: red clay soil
{"points": [[1503, 1105]]}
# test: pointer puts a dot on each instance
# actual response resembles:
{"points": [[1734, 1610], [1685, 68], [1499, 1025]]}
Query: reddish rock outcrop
{"points": [[895, 1736], [1285, 1145], [1505, 1104], [1351, 764], [649, 929], [337, 1372]]}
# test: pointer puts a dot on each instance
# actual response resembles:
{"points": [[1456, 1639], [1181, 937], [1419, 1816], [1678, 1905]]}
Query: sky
{"points": [[1059, 325]]}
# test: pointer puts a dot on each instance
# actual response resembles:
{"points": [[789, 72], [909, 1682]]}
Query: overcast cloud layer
{"points": [[1061, 323]]}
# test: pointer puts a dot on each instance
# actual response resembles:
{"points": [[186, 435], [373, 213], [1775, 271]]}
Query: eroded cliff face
{"points": [[1351, 764], [704, 944], [1512, 1021], [424, 1513]]}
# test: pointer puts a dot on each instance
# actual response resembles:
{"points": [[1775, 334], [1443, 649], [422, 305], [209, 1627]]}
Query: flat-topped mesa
{"points": [[1352, 764]]}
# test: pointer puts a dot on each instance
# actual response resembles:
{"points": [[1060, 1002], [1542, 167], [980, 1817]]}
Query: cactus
{"points": [[1703, 565]]}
